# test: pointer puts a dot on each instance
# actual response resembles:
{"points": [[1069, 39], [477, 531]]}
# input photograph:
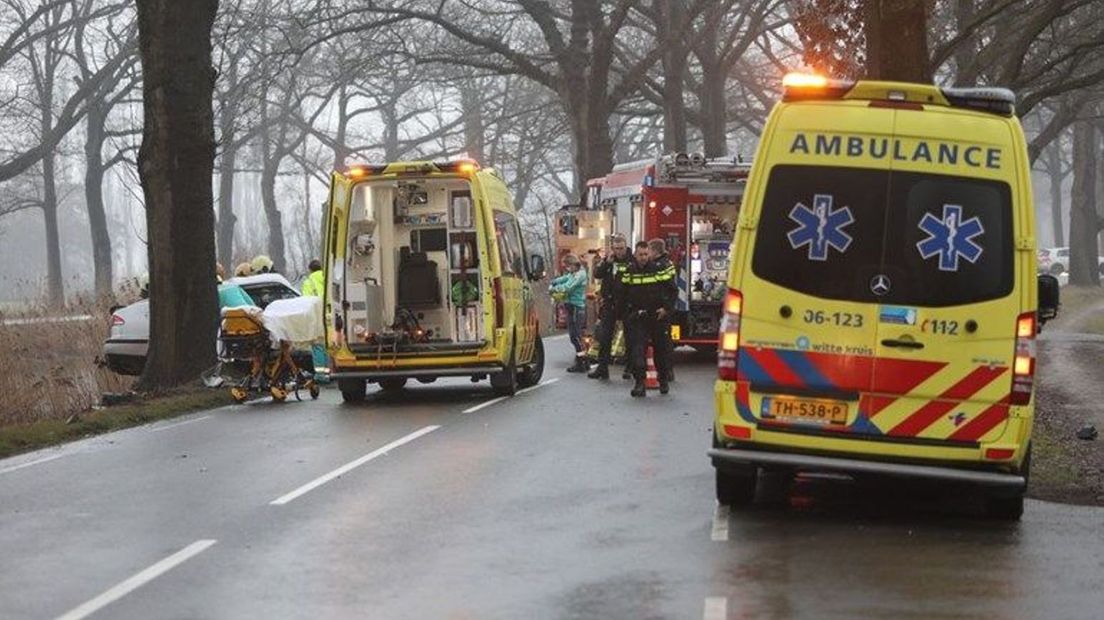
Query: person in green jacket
{"points": [[572, 286], [313, 286], [233, 296]]}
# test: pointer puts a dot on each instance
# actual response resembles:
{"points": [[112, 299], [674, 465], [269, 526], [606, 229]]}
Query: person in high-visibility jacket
{"points": [[314, 285], [648, 293]]}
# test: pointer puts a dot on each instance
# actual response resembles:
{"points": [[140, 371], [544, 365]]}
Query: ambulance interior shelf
{"points": [[412, 247]]}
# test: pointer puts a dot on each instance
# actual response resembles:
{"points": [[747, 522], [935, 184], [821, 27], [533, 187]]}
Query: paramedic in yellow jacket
{"points": [[313, 286]]}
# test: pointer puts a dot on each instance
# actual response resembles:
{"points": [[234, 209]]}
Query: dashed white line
{"points": [[716, 608], [348, 467], [482, 405], [495, 401], [30, 463], [720, 524], [176, 424], [539, 385], [133, 583]]}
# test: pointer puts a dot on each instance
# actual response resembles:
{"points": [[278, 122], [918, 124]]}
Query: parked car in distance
{"points": [[127, 343], [1055, 261]]}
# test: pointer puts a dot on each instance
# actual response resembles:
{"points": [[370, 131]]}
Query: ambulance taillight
{"points": [[729, 336], [1023, 364]]}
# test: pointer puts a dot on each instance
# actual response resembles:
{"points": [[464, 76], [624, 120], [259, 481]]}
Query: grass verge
{"points": [[21, 438], [1077, 312]]}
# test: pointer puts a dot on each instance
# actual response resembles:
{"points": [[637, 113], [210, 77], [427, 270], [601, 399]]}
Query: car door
{"points": [[947, 318]]}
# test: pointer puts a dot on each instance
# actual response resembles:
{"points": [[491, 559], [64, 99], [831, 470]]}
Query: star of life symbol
{"points": [[950, 238], [820, 227]]}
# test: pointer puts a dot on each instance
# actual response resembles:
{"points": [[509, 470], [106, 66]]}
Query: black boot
{"points": [[639, 390], [601, 371], [626, 375], [580, 365], [664, 387]]}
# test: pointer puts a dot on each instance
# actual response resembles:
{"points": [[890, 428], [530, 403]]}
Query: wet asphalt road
{"points": [[533, 507]]}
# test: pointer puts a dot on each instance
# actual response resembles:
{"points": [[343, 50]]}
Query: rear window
{"points": [[928, 240], [264, 294]]}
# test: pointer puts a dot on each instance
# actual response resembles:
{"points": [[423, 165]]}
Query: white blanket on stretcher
{"points": [[297, 320]]}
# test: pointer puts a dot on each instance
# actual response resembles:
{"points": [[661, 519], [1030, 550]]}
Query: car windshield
{"points": [[940, 240], [264, 294]]}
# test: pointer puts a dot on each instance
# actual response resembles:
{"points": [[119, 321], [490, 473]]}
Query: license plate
{"points": [[676, 332], [805, 410]]}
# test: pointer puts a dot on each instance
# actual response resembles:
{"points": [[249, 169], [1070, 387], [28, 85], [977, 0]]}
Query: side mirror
{"points": [[1048, 297], [536, 267]]}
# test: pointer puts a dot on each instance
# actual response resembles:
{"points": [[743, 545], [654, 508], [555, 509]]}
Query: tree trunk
{"points": [[93, 198], [966, 54], [176, 163], [55, 288], [674, 75], [1056, 178], [1084, 223], [227, 160], [471, 105], [272, 215], [897, 40]]}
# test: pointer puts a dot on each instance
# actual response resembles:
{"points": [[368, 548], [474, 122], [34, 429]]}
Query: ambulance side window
{"points": [[509, 244]]}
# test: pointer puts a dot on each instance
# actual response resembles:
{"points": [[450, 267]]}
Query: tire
{"points": [[1057, 269], [1005, 507], [736, 484], [392, 385], [505, 383], [531, 374], [352, 390]]}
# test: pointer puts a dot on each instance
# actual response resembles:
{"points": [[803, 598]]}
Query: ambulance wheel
{"points": [[392, 385], [532, 373], [505, 383], [1009, 507], [352, 390], [279, 394], [736, 484]]}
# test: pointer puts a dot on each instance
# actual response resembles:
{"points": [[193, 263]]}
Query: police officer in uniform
{"points": [[648, 294], [663, 261], [608, 272]]}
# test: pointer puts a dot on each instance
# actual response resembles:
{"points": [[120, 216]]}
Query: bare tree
{"points": [[176, 162]]}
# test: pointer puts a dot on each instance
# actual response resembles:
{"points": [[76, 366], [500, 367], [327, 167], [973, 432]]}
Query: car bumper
{"points": [[128, 347], [1006, 481]]}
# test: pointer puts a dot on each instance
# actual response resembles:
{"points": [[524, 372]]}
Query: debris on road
{"points": [[1087, 432]]}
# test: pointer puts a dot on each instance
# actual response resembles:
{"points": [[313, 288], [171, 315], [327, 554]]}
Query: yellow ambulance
{"points": [[883, 300], [427, 277]]}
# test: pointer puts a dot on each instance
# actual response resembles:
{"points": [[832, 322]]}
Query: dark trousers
{"points": [[642, 331], [607, 327], [576, 323]]}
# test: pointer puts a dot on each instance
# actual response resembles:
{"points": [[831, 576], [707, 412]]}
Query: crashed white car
{"points": [[126, 345]]}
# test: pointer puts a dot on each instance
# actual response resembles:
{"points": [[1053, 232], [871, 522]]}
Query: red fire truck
{"points": [[692, 203]]}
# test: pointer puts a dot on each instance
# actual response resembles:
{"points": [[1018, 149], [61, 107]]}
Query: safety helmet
{"points": [[261, 264]]}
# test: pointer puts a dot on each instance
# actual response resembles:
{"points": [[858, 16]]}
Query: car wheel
{"points": [[392, 385], [532, 373], [735, 484], [505, 383], [352, 390], [1057, 269]]}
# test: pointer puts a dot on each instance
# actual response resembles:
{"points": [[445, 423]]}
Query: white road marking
{"points": [[539, 385], [30, 463], [495, 401], [720, 524], [348, 467], [126, 587], [176, 424], [716, 608], [488, 403]]}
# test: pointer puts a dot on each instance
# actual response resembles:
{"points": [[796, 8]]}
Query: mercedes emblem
{"points": [[880, 284]]}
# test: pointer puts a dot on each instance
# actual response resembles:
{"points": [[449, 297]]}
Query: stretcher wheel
{"points": [[279, 394], [238, 394]]}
